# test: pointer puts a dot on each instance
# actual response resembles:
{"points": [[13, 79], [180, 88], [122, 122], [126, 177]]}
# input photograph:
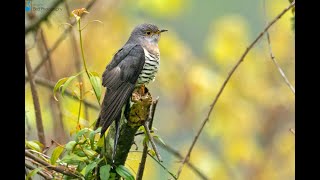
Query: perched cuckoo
{"points": [[135, 64]]}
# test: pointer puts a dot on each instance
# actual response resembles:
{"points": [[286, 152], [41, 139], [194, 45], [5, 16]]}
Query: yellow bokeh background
{"points": [[247, 136]]}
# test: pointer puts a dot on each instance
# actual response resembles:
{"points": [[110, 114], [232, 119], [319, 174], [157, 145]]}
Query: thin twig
{"points": [[60, 169], [43, 18], [50, 85], [180, 157], [77, 61], [146, 127], [44, 175], [59, 40], [286, 80], [174, 177], [145, 147], [36, 102], [56, 106], [293, 131], [226, 81]]}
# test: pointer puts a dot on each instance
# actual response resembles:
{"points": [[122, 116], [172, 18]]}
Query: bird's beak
{"points": [[163, 30]]}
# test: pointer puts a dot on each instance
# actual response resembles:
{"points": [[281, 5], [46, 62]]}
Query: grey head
{"points": [[146, 33]]}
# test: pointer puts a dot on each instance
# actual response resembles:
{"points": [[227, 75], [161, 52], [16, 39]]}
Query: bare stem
{"points": [[84, 60], [274, 59], [226, 81], [36, 102], [77, 60], [80, 104], [145, 147]]}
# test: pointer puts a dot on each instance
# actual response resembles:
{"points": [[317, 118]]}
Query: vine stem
{"points": [[84, 60]]}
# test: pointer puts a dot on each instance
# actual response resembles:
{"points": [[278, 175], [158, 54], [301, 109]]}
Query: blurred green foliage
{"points": [[248, 134]]}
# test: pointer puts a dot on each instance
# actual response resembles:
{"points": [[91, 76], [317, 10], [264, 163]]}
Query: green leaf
{"points": [[81, 166], [88, 168], [141, 128], [58, 85], [79, 152], [145, 140], [33, 172], [73, 159], [92, 135], [70, 145], [96, 84], [112, 176], [68, 81], [124, 172], [66, 84], [34, 145], [152, 152], [90, 152], [157, 137], [104, 172], [80, 133], [100, 143], [55, 154]]}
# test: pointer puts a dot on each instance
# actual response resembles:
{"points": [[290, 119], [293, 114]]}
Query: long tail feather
{"points": [[113, 102]]}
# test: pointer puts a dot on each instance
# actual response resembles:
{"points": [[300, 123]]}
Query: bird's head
{"points": [[146, 33]]}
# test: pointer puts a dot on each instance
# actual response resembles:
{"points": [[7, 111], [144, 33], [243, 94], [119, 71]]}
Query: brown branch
{"points": [[226, 81], [45, 16], [36, 102], [44, 175], [60, 169], [286, 80], [50, 85], [148, 133], [59, 40], [55, 106], [145, 147]]}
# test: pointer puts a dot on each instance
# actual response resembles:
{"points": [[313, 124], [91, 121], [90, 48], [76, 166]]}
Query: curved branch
{"points": [[226, 81]]}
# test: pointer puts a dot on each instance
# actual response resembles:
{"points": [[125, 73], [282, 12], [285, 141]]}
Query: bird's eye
{"points": [[148, 32]]}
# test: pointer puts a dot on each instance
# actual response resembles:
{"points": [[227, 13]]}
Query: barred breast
{"points": [[150, 68]]}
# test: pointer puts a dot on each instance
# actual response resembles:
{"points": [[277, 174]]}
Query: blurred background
{"points": [[247, 136]]}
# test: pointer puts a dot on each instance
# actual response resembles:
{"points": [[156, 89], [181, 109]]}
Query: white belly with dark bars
{"points": [[150, 68]]}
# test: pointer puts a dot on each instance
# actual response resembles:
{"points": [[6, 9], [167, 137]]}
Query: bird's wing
{"points": [[120, 77]]}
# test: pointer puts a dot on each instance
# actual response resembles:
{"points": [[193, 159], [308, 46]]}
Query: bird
{"points": [[134, 65]]}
